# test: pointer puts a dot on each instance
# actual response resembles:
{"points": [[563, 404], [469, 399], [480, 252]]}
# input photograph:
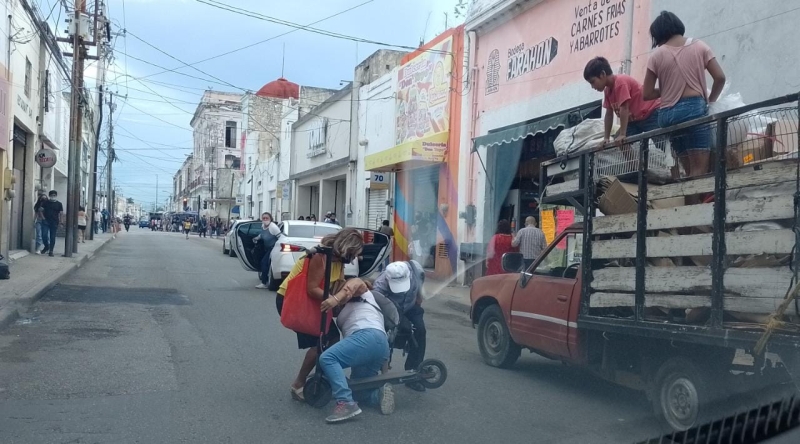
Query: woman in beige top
{"points": [[680, 64], [82, 224]]}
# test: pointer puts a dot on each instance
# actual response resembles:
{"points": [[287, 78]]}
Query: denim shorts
{"points": [[696, 138], [637, 127]]}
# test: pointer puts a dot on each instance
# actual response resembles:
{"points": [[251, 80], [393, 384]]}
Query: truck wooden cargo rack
{"points": [[765, 159]]}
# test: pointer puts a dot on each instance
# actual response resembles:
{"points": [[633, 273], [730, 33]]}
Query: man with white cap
{"points": [[401, 282]]}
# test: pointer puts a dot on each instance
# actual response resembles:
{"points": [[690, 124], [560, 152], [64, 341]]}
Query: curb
{"points": [[455, 303], [9, 315]]}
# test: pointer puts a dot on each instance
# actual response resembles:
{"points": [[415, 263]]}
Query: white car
{"points": [[227, 239], [297, 235]]}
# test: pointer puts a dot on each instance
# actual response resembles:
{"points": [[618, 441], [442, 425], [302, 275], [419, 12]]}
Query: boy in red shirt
{"points": [[622, 95]]}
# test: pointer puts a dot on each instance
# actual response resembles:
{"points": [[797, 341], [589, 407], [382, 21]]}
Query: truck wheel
{"points": [[679, 391], [494, 339]]}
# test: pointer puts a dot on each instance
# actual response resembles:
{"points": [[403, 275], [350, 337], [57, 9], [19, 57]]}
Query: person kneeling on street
{"points": [[401, 282], [364, 348]]}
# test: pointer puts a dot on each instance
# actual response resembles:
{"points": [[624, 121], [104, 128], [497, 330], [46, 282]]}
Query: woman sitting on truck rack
{"points": [[680, 64]]}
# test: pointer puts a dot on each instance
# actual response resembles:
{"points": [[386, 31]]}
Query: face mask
{"points": [[52, 198]]}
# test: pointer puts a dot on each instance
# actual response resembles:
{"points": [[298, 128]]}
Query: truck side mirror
{"points": [[512, 262]]}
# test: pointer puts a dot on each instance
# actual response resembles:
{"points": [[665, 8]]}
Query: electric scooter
{"points": [[432, 373]]}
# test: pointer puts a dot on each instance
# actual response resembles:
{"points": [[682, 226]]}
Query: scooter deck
{"points": [[372, 382]]}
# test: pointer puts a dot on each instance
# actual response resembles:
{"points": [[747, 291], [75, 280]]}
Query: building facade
{"points": [[524, 82]]}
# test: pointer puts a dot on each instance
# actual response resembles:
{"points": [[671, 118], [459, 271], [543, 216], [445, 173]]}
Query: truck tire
{"points": [[680, 393], [494, 340]]}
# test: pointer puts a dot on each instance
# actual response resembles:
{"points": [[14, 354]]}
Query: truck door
{"points": [[540, 308]]}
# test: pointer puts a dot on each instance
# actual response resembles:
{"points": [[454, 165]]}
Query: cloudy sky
{"points": [[152, 132]]}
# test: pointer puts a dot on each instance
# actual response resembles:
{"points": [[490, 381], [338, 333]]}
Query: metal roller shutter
{"points": [[376, 208]]}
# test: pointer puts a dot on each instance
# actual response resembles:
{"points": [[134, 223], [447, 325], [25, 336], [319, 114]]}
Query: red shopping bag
{"points": [[300, 312]]}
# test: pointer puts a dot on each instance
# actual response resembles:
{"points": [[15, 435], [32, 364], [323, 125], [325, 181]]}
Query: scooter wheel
{"points": [[317, 392], [433, 373]]}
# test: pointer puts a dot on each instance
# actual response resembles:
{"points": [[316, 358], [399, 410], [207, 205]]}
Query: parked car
{"points": [[227, 239], [298, 235], [144, 222]]}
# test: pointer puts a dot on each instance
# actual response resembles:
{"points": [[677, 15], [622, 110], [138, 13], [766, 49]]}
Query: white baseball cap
{"points": [[399, 277]]}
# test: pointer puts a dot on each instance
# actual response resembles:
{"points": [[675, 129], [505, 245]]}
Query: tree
{"points": [[461, 9], [130, 200]]}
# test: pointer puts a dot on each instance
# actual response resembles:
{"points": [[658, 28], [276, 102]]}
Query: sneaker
{"points": [[386, 399], [261, 286], [51, 254], [343, 411], [416, 386]]}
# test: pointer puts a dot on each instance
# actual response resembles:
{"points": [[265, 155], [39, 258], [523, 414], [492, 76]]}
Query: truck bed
{"points": [[707, 259]]}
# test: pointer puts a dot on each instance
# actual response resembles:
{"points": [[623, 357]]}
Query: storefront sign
{"points": [[378, 180], [239, 199], [317, 138], [547, 46], [46, 157], [286, 191], [548, 225], [564, 218], [423, 95], [431, 149]]}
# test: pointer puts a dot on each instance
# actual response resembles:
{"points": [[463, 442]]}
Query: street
{"points": [[161, 339]]}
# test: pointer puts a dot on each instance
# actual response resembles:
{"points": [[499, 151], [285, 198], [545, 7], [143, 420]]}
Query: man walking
{"points": [[531, 242], [51, 210], [105, 220], [96, 221], [402, 284]]}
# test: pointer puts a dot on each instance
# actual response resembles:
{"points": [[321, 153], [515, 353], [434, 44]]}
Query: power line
{"points": [[262, 41], [259, 16]]}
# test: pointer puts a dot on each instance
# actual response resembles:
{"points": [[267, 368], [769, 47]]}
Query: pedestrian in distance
{"points": [[679, 64], [312, 218], [531, 242], [364, 349], [105, 215], [301, 218], [268, 237], [82, 222], [187, 226], [52, 210], [499, 244], [39, 222], [96, 217], [402, 284], [202, 227], [346, 244]]}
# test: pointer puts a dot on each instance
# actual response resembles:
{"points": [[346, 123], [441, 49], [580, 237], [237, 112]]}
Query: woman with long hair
{"points": [[499, 245], [346, 245]]}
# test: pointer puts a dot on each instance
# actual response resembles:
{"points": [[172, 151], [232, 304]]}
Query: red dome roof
{"points": [[280, 89]]}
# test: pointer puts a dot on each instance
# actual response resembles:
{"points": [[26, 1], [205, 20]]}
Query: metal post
{"points": [[155, 202], [76, 136], [718, 247], [109, 152], [230, 202], [641, 230], [587, 179]]}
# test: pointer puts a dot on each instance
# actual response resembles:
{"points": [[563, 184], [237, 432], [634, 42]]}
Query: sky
{"points": [[153, 108]]}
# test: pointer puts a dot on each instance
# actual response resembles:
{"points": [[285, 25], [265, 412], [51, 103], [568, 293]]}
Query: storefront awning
{"points": [[417, 153], [563, 119]]}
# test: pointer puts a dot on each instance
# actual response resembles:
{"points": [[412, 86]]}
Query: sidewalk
{"points": [[455, 296], [32, 275]]}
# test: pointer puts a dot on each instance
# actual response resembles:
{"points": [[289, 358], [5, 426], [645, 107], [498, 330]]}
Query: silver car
{"points": [[227, 240], [296, 235]]}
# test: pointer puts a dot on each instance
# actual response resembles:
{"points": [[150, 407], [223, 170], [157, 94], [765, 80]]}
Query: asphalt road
{"points": [[160, 339]]}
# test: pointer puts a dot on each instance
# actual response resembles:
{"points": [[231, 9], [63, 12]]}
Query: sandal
{"points": [[297, 394]]}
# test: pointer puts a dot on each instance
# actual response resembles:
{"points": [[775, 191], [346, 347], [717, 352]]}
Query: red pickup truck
{"points": [[540, 310]]}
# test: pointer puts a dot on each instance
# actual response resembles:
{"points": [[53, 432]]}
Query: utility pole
{"points": [[75, 133], [110, 153]]}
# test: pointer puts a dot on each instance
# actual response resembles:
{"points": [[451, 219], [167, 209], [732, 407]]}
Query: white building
{"points": [[217, 125], [268, 116], [320, 158]]}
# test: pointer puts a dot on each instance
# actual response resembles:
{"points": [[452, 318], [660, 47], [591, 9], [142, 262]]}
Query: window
{"points": [[563, 255], [230, 134], [28, 68], [309, 231]]}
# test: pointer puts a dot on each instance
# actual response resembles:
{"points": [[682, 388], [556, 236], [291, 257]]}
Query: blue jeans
{"points": [[49, 230], [637, 127], [39, 226], [695, 138], [365, 351]]}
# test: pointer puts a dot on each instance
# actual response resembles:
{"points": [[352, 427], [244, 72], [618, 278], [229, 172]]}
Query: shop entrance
{"points": [[17, 216], [424, 207]]}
